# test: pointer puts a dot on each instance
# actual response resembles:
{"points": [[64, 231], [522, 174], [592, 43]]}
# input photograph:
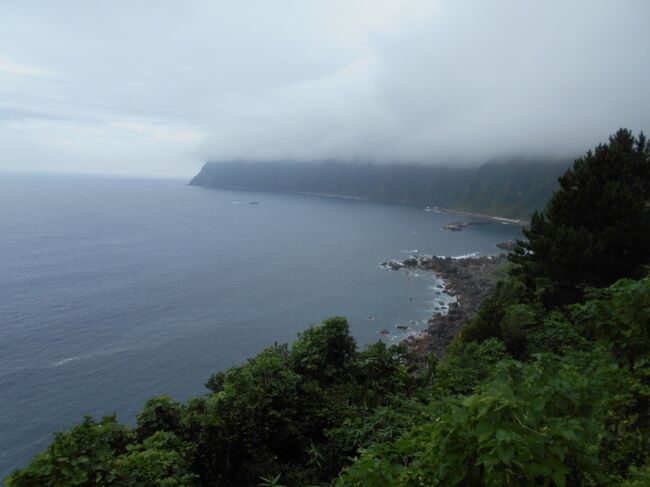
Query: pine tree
{"points": [[595, 228]]}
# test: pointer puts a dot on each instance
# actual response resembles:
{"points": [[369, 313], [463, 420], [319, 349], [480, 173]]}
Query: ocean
{"points": [[113, 290]]}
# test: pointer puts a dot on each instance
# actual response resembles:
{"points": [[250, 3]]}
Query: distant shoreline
{"points": [[328, 195], [500, 219], [448, 211]]}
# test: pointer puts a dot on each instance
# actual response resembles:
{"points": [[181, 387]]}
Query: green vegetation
{"points": [[596, 228], [548, 385], [512, 189]]}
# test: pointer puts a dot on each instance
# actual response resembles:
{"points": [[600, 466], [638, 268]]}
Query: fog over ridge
{"points": [[159, 87], [515, 80]]}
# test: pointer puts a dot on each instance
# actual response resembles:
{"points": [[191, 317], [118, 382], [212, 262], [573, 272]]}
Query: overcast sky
{"points": [[155, 87]]}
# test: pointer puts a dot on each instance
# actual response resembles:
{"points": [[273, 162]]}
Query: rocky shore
{"points": [[469, 279], [460, 226]]}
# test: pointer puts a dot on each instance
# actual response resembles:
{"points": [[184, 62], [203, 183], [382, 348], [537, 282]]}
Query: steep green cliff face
{"points": [[513, 189]]}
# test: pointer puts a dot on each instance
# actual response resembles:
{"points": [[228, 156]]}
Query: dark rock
{"points": [[454, 226], [508, 245], [471, 280]]}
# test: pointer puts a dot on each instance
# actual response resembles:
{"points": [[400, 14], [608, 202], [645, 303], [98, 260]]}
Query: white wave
{"points": [[467, 256], [87, 356], [69, 359]]}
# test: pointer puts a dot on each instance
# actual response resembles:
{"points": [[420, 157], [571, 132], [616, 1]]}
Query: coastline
{"points": [[469, 279], [195, 181], [499, 219]]}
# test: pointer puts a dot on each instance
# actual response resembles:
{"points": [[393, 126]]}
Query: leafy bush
{"points": [[323, 352], [160, 413], [160, 460], [469, 364], [530, 424], [505, 315], [619, 316], [106, 453]]}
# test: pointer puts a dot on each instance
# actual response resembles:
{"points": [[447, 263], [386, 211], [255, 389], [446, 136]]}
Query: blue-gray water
{"points": [[113, 290]]}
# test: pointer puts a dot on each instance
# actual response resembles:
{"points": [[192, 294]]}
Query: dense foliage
{"points": [[536, 390], [596, 227], [508, 188], [283, 412], [576, 413]]}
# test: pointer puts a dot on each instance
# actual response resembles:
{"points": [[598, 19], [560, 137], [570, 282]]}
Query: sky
{"points": [[157, 87]]}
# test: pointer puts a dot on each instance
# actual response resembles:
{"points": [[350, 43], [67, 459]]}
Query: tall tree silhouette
{"points": [[596, 227]]}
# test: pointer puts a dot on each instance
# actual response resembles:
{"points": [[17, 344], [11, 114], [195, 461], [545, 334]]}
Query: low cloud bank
{"points": [[462, 84]]}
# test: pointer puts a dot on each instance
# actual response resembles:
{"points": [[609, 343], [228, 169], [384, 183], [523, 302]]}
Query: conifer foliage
{"points": [[596, 228]]}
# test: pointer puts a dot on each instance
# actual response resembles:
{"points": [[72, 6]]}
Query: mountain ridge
{"points": [[510, 189]]}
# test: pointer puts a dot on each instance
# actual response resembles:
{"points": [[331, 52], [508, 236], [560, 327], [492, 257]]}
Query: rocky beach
{"points": [[469, 279]]}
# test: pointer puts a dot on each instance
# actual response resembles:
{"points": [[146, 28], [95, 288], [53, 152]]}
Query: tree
{"points": [[323, 352], [84, 455], [160, 413], [595, 229], [160, 460]]}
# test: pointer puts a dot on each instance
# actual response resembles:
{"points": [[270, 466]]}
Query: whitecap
{"points": [[87, 356], [66, 360], [466, 256]]}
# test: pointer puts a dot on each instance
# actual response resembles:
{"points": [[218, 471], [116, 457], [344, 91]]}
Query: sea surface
{"points": [[114, 290]]}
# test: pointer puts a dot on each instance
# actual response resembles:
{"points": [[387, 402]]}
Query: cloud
{"points": [[157, 130], [71, 145], [9, 67], [431, 81], [461, 84]]}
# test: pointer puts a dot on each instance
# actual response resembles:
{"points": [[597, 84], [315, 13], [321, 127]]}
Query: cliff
{"points": [[513, 189]]}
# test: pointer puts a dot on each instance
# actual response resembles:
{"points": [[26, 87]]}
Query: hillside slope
{"points": [[511, 189]]}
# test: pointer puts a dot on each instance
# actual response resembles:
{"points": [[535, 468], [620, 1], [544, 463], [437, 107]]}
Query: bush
{"points": [[160, 413], [84, 455], [323, 352], [469, 364], [160, 460], [618, 316], [532, 424]]}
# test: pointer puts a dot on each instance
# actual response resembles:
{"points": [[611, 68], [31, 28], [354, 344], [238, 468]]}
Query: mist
{"points": [[159, 87], [462, 85]]}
